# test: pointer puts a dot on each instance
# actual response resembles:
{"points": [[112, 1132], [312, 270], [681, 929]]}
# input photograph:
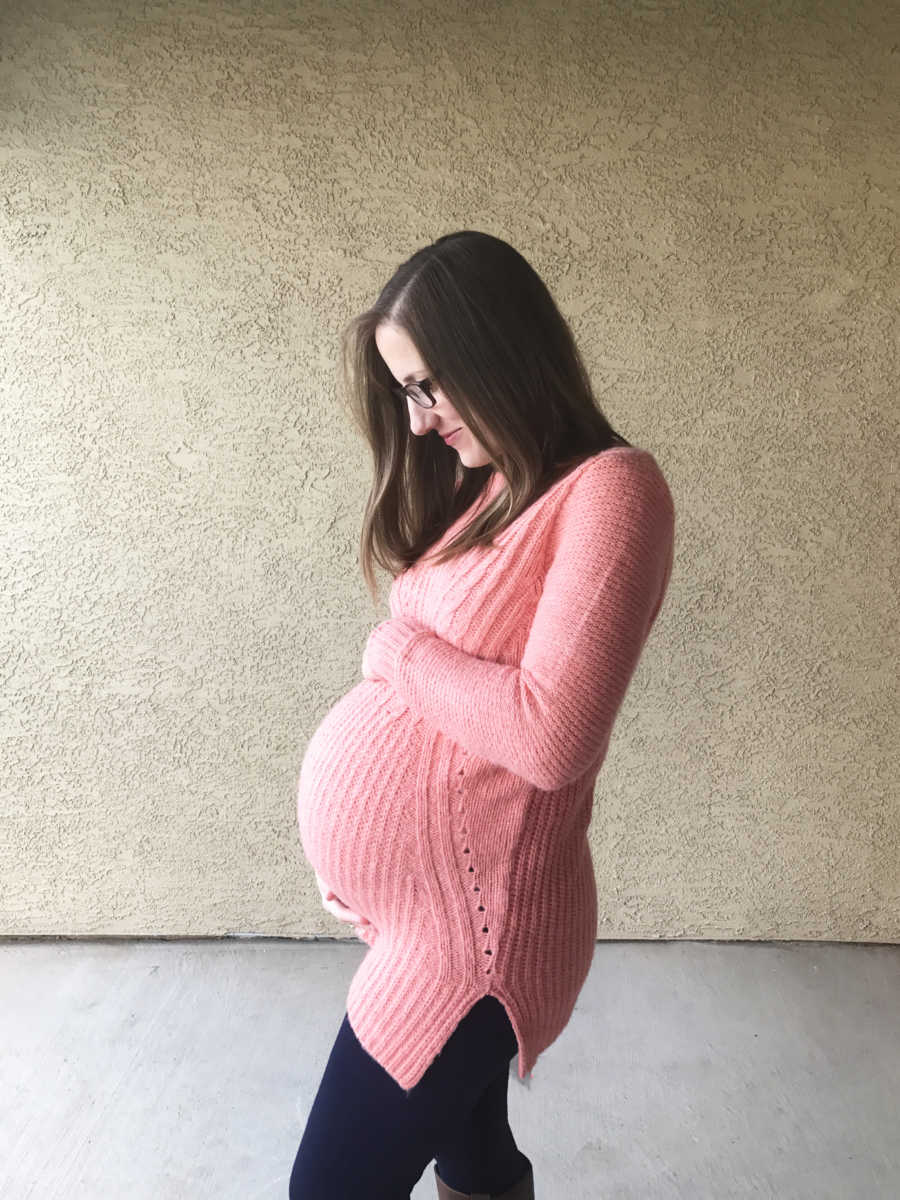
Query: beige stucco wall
{"points": [[194, 199]]}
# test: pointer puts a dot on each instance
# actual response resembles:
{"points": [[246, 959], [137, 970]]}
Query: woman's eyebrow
{"points": [[409, 378]]}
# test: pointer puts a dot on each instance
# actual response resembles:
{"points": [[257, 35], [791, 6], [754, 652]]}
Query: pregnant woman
{"points": [[444, 802]]}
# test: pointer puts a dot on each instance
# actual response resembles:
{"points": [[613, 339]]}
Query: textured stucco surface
{"points": [[194, 199]]}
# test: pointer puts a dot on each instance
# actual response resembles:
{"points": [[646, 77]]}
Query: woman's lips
{"points": [[451, 436]]}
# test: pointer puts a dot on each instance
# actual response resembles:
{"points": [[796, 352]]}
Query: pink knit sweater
{"points": [[447, 796]]}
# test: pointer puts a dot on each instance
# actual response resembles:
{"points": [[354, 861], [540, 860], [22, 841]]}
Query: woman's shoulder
{"points": [[615, 493], [616, 467]]}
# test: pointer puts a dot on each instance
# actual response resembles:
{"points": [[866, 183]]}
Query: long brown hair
{"points": [[485, 322]]}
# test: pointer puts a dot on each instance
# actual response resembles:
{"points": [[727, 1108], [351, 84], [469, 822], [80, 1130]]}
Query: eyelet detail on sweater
{"points": [[470, 869]]}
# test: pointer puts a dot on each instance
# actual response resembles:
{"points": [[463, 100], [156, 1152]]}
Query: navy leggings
{"points": [[366, 1136]]}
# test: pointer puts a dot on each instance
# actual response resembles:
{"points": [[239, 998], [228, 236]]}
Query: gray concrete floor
{"points": [[185, 1069]]}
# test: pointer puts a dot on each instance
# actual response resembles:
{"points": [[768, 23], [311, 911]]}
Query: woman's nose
{"points": [[422, 419]]}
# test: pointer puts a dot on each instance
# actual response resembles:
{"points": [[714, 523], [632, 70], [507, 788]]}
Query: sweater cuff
{"points": [[420, 652], [387, 641]]}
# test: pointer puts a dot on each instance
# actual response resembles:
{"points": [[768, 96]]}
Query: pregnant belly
{"points": [[356, 799]]}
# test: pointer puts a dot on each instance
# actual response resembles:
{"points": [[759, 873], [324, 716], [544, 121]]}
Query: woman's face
{"points": [[405, 364]]}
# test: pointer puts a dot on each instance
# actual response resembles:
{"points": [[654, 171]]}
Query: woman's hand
{"points": [[368, 671], [384, 642], [336, 906]]}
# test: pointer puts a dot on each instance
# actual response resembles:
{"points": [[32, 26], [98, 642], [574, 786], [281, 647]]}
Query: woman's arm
{"points": [[549, 719]]}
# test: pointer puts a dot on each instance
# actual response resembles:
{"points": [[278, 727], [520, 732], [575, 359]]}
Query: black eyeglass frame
{"points": [[402, 391]]}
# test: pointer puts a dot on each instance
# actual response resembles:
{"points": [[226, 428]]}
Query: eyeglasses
{"points": [[420, 391]]}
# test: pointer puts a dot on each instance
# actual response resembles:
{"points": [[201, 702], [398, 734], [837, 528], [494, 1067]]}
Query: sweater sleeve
{"points": [[549, 719]]}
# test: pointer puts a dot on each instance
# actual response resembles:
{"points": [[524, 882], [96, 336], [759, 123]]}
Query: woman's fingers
{"points": [[335, 905], [324, 889], [343, 913]]}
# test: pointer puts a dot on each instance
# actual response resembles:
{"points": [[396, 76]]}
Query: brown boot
{"points": [[522, 1189]]}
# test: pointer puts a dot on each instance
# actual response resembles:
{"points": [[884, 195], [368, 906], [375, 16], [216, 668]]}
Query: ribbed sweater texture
{"points": [[447, 796]]}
